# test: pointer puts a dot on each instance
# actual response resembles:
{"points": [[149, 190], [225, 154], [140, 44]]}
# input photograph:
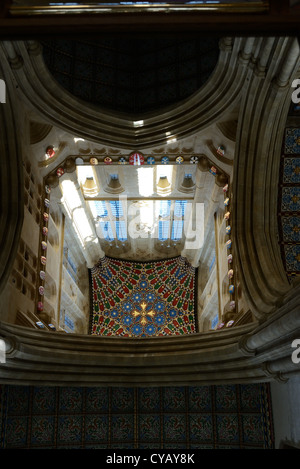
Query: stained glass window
{"points": [[163, 230], [177, 227], [177, 230], [212, 263], [121, 231], [111, 221], [107, 230], [215, 321], [116, 208], [111, 217], [165, 207], [69, 323], [100, 208], [180, 206]]}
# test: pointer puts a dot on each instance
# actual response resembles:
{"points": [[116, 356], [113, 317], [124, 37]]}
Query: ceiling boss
{"points": [[143, 313]]}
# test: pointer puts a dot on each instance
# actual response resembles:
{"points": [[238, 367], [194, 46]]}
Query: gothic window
{"points": [[110, 215], [69, 324], [171, 220], [164, 220], [177, 227]]}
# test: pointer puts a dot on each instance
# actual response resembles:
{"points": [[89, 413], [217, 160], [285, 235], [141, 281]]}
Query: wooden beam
{"points": [[279, 6], [236, 25], [278, 20]]}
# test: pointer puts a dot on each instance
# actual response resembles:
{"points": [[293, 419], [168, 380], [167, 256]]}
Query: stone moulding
{"points": [[62, 109], [55, 358], [256, 168], [249, 353]]}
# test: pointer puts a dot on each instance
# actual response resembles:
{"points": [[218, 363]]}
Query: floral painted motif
{"points": [[289, 203], [291, 170], [292, 141]]}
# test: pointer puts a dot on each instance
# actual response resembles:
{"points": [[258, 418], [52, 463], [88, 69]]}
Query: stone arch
{"points": [[11, 180], [265, 105]]}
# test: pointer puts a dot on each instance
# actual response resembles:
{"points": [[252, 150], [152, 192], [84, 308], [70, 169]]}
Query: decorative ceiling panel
{"points": [[289, 199], [132, 73], [131, 299]]}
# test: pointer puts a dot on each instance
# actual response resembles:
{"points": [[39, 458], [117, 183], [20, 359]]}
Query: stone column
{"points": [[191, 214], [288, 66], [92, 250], [14, 59], [11, 177]]}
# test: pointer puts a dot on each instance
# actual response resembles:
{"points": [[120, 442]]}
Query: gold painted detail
{"points": [[143, 313]]}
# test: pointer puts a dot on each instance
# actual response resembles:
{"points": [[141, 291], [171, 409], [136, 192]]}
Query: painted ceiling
{"points": [[131, 299], [132, 73]]}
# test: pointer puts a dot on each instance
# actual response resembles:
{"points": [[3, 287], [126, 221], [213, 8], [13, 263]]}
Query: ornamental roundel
{"points": [[164, 160], [42, 275], [194, 160], [60, 172], [151, 160], [221, 150], [136, 158], [179, 160], [107, 160], [50, 152], [93, 161]]}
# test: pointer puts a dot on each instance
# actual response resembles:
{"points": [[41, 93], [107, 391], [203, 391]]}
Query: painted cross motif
{"points": [[143, 313]]}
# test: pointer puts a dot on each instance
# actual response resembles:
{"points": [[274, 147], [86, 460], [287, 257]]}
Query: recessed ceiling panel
{"points": [[132, 73]]}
